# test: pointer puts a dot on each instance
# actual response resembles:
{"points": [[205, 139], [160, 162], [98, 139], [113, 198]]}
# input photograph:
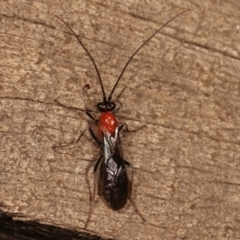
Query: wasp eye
{"points": [[101, 107], [111, 106]]}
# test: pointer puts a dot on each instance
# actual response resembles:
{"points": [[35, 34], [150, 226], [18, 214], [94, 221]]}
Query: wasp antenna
{"points": [[110, 95], [88, 53]]}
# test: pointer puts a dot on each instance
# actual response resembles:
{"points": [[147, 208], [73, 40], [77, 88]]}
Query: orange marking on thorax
{"points": [[107, 122]]}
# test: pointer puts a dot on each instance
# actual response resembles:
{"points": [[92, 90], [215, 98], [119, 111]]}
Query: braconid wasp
{"points": [[114, 182]]}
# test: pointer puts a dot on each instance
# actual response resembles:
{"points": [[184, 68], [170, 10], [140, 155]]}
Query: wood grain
{"points": [[184, 85]]}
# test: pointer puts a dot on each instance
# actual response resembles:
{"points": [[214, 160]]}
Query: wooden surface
{"points": [[184, 85], [11, 229]]}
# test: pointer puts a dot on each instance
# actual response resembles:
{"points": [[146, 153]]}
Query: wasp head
{"points": [[106, 106]]}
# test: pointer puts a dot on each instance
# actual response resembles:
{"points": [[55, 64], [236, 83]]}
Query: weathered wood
{"points": [[184, 85], [29, 230]]}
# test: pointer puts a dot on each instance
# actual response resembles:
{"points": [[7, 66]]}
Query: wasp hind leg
{"points": [[130, 192], [93, 196]]}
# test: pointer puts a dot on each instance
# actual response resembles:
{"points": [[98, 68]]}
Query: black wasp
{"points": [[114, 182]]}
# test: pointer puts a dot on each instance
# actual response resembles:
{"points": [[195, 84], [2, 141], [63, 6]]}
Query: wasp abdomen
{"points": [[115, 182]]}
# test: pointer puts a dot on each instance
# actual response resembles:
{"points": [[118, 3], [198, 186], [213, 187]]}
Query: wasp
{"points": [[114, 182]]}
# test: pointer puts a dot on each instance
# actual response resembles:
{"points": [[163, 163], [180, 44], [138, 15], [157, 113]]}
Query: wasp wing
{"points": [[113, 172]]}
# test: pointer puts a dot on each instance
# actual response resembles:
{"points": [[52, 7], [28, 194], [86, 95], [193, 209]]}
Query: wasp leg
{"points": [[69, 144], [92, 200], [116, 109], [119, 95], [91, 116], [127, 129], [130, 192], [73, 142], [97, 164], [68, 107], [94, 137], [62, 146], [119, 107]]}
